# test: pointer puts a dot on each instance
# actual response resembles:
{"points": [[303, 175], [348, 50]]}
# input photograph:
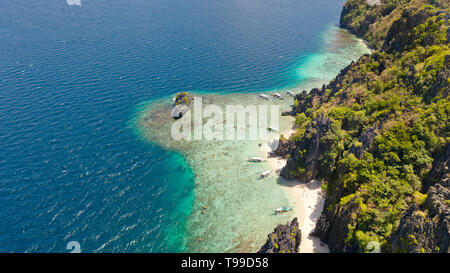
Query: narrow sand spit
{"points": [[308, 202]]}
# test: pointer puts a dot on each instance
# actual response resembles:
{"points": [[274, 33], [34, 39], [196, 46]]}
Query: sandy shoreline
{"points": [[308, 202], [228, 185]]}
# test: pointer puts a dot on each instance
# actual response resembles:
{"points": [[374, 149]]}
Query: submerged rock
{"points": [[284, 239]]}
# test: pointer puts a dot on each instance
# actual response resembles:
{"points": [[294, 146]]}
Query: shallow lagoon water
{"points": [[74, 81], [240, 206]]}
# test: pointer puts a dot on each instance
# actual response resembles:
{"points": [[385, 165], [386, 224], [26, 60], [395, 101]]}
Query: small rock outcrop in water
{"points": [[181, 105], [284, 239]]}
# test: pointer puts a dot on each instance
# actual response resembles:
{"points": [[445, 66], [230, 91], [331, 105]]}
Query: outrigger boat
{"points": [[263, 97], [277, 95], [282, 209], [255, 159], [264, 174], [290, 93]]}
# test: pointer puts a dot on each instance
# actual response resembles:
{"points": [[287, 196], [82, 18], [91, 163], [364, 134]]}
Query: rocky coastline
{"points": [[284, 239], [357, 134]]}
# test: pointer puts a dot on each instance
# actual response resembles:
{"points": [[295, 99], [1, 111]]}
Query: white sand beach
{"points": [[308, 201]]}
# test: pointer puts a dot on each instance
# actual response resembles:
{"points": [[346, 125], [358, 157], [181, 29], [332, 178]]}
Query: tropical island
{"points": [[357, 165], [378, 135]]}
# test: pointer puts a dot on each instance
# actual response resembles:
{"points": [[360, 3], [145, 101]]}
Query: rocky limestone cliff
{"points": [[284, 239], [366, 140], [303, 163], [307, 100], [426, 228], [399, 35], [372, 22], [284, 146], [440, 169], [333, 226], [441, 84], [340, 146], [356, 8]]}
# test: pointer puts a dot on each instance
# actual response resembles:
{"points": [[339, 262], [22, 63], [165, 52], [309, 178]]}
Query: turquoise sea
{"points": [[75, 164]]}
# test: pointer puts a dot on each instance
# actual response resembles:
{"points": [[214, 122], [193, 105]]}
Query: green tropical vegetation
{"points": [[398, 92]]}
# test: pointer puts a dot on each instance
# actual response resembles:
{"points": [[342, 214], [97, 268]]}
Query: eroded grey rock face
{"points": [[366, 140], [308, 100], [332, 226], [284, 239], [399, 35], [308, 150], [442, 85], [426, 228], [284, 146], [439, 171]]}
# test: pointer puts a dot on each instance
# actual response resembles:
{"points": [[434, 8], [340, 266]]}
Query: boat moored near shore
{"points": [[290, 93], [265, 174], [282, 209], [278, 96], [263, 97], [256, 159]]}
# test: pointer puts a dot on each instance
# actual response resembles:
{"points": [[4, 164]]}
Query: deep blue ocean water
{"points": [[71, 79]]}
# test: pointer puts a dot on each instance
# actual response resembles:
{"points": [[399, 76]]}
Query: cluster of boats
{"points": [[260, 159], [277, 95], [265, 174]]}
